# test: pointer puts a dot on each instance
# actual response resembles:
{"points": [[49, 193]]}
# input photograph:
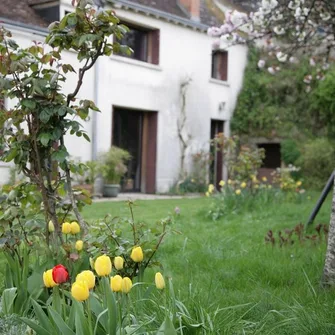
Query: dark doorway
{"points": [[215, 170], [272, 160], [136, 132]]}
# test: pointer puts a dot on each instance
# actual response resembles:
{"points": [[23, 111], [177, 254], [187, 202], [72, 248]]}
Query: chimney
{"points": [[192, 7]]}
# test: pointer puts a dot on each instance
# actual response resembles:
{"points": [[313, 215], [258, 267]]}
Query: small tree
{"points": [[33, 131]]}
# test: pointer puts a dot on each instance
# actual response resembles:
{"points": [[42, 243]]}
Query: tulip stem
{"points": [[89, 316]]}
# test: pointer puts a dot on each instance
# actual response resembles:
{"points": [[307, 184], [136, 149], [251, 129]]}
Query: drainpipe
{"points": [[94, 147]]}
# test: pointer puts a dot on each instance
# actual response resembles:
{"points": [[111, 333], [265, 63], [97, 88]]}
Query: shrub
{"points": [[289, 151], [317, 161]]}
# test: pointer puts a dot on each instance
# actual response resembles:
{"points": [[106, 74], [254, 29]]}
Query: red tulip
{"points": [[60, 274]]}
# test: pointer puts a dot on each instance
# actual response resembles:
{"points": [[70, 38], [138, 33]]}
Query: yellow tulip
{"points": [[66, 228], [244, 185], [126, 285], [299, 183], [230, 182], [137, 254], [75, 228], [51, 227], [79, 245], [80, 291], [116, 283], [103, 265], [88, 277], [238, 192], [264, 179], [159, 281], [222, 183], [118, 263], [207, 194], [47, 279]]}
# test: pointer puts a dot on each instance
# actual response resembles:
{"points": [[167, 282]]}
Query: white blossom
{"points": [[312, 62], [261, 63], [281, 57], [308, 79], [279, 30], [271, 70]]}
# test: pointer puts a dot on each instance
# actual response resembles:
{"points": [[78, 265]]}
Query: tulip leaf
{"points": [[42, 317], [111, 306], [34, 326], [7, 300], [167, 328], [59, 322], [80, 319]]}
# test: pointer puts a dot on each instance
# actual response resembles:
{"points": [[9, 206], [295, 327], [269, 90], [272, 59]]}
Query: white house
{"points": [[140, 96]]}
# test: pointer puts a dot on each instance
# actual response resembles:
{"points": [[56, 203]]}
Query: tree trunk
{"points": [[328, 277]]}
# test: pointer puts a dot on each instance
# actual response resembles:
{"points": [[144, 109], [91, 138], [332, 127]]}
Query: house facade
{"points": [[141, 96]]}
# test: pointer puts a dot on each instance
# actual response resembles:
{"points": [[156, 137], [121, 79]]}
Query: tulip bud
{"points": [[66, 228], [60, 274], [51, 227], [75, 228], [80, 291], [88, 277], [137, 254], [126, 285], [79, 245], [116, 283], [47, 279], [159, 281], [118, 263], [103, 265]]}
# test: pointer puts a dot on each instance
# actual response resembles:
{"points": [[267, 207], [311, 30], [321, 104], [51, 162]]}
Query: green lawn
{"points": [[226, 263]]}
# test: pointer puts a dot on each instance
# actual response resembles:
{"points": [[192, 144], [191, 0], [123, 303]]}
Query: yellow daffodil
{"points": [[238, 192], [80, 291], [230, 182], [137, 254], [116, 283], [126, 285], [75, 228], [207, 194], [264, 179], [243, 184], [51, 227], [299, 183], [79, 245], [47, 279], [222, 183], [211, 188], [103, 265], [66, 228], [118, 262], [88, 277], [159, 281]]}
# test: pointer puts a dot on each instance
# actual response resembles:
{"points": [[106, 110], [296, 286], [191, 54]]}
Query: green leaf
{"points": [[86, 137], [45, 116], [42, 317], [60, 155], [167, 328], [112, 310], [28, 103], [34, 326], [7, 300], [80, 319], [59, 322], [44, 138]]}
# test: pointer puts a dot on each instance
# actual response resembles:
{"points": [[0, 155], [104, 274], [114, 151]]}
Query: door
{"points": [[136, 132], [216, 167]]}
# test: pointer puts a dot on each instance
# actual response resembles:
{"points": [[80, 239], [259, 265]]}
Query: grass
{"points": [[219, 265]]}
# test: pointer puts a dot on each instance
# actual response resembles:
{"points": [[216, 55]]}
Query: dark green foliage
{"points": [[289, 151], [317, 161]]}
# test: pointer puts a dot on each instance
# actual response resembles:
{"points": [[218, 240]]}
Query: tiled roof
{"points": [[22, 11]]}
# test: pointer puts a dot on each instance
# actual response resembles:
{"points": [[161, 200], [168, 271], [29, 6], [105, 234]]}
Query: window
{"points": [[144, 42], [220, 65]]}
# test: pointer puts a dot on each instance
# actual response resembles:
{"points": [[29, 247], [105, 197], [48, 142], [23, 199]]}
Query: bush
{"points": [[289, 151], [317, 162]]}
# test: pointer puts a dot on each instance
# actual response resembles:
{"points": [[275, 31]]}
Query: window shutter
{"points": [[154, 47]]}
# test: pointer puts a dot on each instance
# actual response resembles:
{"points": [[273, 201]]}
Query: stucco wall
{"points": [[118, 81]]}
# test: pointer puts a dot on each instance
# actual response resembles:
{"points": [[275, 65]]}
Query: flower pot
{"points": [[111, 190]]}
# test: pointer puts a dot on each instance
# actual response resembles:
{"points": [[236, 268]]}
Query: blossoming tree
{"points": [[289, 30]]}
